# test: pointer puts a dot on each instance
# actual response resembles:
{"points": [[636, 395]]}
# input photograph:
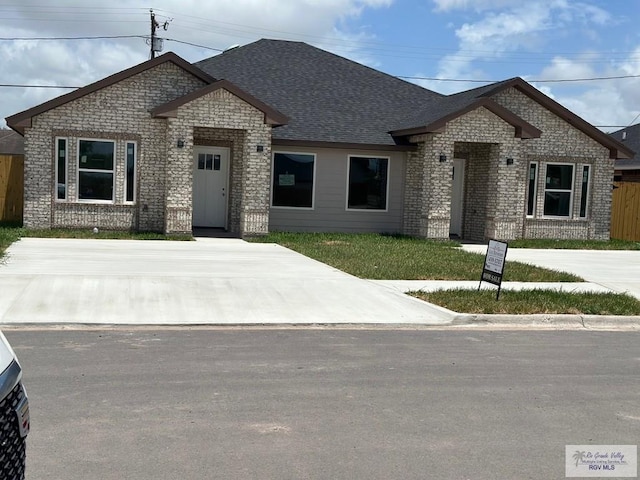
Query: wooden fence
{"points": [[11, 187], [625, 211]]}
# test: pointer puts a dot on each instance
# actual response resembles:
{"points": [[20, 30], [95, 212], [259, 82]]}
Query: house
{"points": [[11, 143], [280, 135], [628, 169]]}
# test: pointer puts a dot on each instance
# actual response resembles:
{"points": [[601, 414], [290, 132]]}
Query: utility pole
{"points": [[154, 25], [155, 42]]}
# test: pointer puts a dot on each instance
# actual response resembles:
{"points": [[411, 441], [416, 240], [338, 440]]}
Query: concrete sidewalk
{"points": [[618, 270], [209, 281]]}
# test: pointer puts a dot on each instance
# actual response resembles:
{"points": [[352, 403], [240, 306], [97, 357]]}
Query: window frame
{"points": [[571, 190], [532, 196], [57, 169], [313, 186], [112, 171], [584, 193], [370, 210], [126, 171]]}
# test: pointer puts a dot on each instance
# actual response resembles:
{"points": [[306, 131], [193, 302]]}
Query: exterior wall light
{"points": [[509, 161], [259, 148], [442, 158], [180, 144]]}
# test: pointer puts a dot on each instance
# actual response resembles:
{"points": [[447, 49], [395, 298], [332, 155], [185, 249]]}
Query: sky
{"points": [[444, 45]]}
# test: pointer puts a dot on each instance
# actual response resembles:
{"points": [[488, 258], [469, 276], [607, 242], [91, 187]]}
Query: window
{"points": [[95, 170], [532, 193], [585, 191], [367, 183], [130, 179], [558, 190], [293, 178], [61, 169]]}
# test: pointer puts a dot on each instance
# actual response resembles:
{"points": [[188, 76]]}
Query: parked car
{"points": [[14, 415]]}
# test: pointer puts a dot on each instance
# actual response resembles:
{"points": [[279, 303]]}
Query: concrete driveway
{"points": [[209, 281], [618, 270]]}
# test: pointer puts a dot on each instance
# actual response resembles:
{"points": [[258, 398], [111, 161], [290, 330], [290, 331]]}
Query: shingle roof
{"points": [[631, 141], [11, 143], [326, 97], [331, 99]]}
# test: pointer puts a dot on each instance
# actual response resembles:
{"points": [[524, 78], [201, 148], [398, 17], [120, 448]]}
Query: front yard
{"points": [[388, 257], [385, 257]]}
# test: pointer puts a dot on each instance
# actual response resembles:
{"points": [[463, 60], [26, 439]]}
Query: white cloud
{"points": [[502, 31], [218, 24], [478, 5]]}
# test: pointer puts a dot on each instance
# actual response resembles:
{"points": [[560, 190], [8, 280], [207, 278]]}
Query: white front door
{"points": [[457, 197], [210, 184]]}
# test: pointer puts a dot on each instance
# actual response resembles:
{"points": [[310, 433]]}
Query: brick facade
{"points": [[164, 172], [495, 189], [494, 200]]}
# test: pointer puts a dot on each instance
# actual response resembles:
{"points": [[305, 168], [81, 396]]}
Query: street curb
{"points": [[546, 320]]}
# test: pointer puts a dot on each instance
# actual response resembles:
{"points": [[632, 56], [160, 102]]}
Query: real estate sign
{"points": [[494, 261]]}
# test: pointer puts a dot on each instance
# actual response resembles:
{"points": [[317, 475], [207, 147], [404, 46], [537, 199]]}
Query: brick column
{"points": [[179, 183], [428, 188]]}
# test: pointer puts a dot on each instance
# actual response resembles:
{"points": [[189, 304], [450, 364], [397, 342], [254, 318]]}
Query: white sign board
{"points": [[493, 268], [496, 253]]}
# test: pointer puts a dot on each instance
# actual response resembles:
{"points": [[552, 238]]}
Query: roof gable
{"points": [[616, 149], [170, 109], [450, 110], [21, 120]]}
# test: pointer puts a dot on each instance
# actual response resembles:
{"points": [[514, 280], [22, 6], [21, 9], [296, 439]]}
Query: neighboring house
{"points": [[628, 169], [279, 135], [11, 143]]}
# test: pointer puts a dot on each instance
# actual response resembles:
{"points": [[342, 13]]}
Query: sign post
{"points": [[494, 261]]}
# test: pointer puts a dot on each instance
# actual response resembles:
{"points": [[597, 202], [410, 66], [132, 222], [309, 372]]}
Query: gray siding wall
{"points": [[329, 213]]}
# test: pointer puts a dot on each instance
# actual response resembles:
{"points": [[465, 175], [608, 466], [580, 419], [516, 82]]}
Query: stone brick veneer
{"points": [[484, 138], [495, 196], [562, 143], [120, 113]]}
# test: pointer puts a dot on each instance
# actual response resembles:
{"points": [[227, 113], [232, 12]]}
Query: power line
{"points": [[559, 80], [17, 85], [104, 37], [194, 44]]}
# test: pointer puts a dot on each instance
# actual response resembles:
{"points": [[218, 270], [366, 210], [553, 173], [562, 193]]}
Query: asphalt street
{"points": [[305, 403]]}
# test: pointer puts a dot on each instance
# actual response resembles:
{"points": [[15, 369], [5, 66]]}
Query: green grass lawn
{"points": [[532, 302], [385, 257], [576, 244]]}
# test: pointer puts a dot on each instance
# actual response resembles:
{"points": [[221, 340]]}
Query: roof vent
{"points": [[624, 135]]}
